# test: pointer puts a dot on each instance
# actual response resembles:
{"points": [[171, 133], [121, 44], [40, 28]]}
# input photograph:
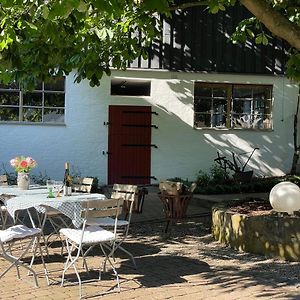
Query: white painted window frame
{"points": [[21, 106]]}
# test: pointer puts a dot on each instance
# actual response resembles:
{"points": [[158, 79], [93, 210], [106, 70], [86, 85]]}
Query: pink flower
{"points": [[13, 162], [23, 164]]}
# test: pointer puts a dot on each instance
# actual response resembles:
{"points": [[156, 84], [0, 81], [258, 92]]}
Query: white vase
{"points": [[23, 181]]}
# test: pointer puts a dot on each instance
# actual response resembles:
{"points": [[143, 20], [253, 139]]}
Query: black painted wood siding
{"points": [[194, 40]]}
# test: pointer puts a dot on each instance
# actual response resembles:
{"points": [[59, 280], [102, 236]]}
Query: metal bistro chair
{"points": [[56, 218], [77, 239], [3, 210], [129, 193], [83, 185], [21, 233]]}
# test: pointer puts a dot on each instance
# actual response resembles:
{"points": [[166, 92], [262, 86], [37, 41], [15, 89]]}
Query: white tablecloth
{"points": [[35, 197]]}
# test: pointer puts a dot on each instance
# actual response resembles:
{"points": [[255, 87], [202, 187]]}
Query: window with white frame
{"points": [[232, 106], [45, 104]]}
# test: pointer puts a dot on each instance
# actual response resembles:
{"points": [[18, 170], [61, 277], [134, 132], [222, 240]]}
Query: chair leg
{"points": [[37, 244], [129, 254], [71, 263], [16, 261], [107, 258]]}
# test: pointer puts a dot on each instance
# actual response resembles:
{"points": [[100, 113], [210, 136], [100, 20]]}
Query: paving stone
{"points": [[186, 263]]}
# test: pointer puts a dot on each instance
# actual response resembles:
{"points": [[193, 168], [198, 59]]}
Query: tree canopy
{"points": [[44, 38]]}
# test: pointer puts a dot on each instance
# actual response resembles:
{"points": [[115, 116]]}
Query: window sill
{"points": [[238, 129], [31, 123]]}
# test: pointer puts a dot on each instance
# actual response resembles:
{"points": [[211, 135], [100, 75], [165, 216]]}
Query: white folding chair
{"points": [[3, 210], [57, 221], [91, 236], [129, 193], [21, 233], [56, 218]]}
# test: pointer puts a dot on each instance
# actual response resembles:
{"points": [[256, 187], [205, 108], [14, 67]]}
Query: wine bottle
{"points": [[67, 180]]}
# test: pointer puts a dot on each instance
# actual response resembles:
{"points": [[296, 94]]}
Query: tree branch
{"points": [[274, 21]]}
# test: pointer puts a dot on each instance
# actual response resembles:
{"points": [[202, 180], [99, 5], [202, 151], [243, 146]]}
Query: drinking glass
{"points": [[58, 187], [50, 186]]}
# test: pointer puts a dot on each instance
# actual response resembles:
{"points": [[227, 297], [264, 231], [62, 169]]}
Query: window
{"points": [[130, 87], [45, 104], [232, 106]]}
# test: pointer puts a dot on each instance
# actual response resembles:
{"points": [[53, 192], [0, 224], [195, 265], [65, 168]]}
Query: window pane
{"points": [[203, 91], [55, 84], [267, 122], [39, 86], [33, 99], [242, 92], [54, 100], [202, 120], [240, 106], [241, 121], [219, 106], [54, 115], [9, 114], [219, 92], [219, 120], [202, 105], [32, 114], [13, 85], [9, 98], [262, 93]]}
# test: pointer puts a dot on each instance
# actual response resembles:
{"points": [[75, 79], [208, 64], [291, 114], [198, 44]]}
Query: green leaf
{"points": [[265, 40], [45, 12], [101, 34], [250, 33], [258, 39], [82, 7], [31, 25]]}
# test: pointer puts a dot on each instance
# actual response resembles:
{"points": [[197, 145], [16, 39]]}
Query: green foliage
{"points": [[293, 66], [40, 178], [40, 39]]}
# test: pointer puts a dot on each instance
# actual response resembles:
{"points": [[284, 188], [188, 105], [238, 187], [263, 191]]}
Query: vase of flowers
{"points": [[23, 165]]}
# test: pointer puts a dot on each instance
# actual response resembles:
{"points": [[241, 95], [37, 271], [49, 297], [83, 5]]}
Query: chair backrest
{"points": [[83, 185], [101, 208], [124, 191], [127, 192], [3, 180]]}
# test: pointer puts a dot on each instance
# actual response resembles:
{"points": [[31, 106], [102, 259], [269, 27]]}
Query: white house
{"points": [[159, 120]]}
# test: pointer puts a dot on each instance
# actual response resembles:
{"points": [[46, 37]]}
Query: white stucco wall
{"points": [[182, 150]]}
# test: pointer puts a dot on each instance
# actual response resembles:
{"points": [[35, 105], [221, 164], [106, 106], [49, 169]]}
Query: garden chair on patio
{"points": [[130, 194], [3, 210], [56, 218], [83, 185], [90, 236], [20, 233], [175, 199]]}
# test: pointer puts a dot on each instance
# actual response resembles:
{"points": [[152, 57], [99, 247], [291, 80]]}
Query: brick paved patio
{"points": [[185, 263]]}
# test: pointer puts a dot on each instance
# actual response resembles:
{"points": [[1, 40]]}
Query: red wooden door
{"points": [[129, 144]]}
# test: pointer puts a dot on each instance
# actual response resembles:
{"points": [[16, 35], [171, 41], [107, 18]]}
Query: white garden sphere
{"points": [[285, 197]]}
